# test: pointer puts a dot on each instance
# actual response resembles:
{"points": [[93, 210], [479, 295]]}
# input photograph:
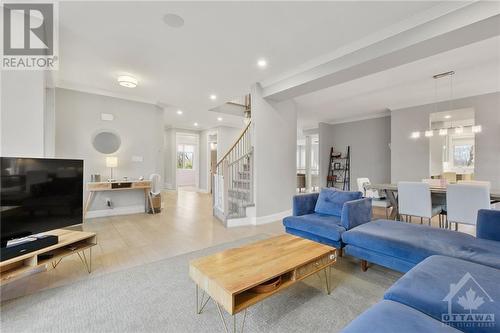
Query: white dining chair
{"points": [[377, 199], [464, 200], [361, 185], [414, 199]]}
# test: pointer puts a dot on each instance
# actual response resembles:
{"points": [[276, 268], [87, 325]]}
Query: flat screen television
{"points": [[38, 195]]}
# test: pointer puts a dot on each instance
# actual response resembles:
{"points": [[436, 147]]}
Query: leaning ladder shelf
{"points": [[339, 170]]}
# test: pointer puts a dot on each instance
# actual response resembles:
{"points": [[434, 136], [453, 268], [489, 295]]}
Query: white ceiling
{"points": [[477, 68], [216, 50]]}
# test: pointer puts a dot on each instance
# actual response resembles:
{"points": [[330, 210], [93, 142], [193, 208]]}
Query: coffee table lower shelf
{"points": [[221, 282]]}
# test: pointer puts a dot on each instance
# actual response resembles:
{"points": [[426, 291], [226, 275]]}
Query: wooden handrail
{"points": [[234, 144]]}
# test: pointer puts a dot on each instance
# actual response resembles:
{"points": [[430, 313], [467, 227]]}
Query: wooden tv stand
{"points": [[70, 242]]}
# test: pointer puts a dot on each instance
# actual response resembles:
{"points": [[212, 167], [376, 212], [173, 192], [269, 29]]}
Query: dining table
{"points": [[391, 193]]}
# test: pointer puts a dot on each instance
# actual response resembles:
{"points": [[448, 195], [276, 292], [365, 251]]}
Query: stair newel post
{"points": [[225, 186]]}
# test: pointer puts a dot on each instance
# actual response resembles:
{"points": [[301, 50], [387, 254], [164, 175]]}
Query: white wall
{"points": [[275, 140], [50, 123], [204, 161], [22, 113], [369, 141], [410, 157], [139, 126], [226, 137]]}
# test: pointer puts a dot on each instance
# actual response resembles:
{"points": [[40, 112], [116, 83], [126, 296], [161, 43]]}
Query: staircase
{"points": [[233, 180]]}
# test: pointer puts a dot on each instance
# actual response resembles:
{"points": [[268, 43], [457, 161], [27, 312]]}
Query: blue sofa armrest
{"points": [[488, 224], [304, 203], [356, 212]]}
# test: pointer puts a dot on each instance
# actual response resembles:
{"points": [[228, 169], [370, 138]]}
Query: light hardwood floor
{"points": [[185, 224]]}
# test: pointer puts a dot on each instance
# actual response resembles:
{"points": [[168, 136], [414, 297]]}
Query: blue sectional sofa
{"points": [[459, 289], [323, 217], [437, 293], [400, 246]]}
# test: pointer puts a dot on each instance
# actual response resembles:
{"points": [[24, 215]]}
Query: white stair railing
{"points": [[233, 179]]}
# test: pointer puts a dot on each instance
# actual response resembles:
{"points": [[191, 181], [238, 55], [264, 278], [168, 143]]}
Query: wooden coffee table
{"points": [[227, 277]]}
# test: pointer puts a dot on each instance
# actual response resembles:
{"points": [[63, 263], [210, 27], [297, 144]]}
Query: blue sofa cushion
{"points": [[326, 226], [304, 203], [415, 242], [391, 317], [488, 224], [331, 201], [440, 284]]}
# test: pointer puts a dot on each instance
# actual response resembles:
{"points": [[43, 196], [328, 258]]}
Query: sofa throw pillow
{"points": [[331, 201]]}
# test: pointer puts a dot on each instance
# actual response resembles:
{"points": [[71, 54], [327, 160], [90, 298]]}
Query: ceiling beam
{"points": [[476, 22]]}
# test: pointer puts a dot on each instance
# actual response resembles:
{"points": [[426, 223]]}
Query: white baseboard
{"points": [[202, 190], [239, 222], [253, 220], [115, 211], [272, 218]]}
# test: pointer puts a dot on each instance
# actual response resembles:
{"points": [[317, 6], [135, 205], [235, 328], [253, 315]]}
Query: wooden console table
{"points": [[144, 185], [70, 242]]}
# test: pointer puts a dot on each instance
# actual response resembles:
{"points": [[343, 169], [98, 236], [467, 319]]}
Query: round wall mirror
{"points": [[106, 142]]}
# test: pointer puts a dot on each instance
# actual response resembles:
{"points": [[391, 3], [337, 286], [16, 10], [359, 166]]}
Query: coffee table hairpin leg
{"points": [[327, 272], [201, 305], [221, 316]]}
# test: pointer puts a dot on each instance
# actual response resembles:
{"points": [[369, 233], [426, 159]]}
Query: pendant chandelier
{"points": [[445, 130]]}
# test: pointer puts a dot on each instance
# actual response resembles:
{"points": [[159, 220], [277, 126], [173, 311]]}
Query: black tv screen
{"points": [[38, 195]]}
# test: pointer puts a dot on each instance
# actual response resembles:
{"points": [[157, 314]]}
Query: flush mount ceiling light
{"points": [[262, 63], [173, 20], [219, 118], [415, 135], [213, 97], [179, 111], [195, 124], [127, 81], [447, 117]]}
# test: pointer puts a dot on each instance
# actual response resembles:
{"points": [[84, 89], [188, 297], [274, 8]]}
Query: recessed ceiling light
{"points": [[173, 20], [447, 117], [195, 124], [179, 111], [213, 97], [127, 81], [219, 118], [262, 63]]}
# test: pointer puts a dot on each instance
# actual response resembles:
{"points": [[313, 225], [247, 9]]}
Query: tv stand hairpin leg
{"points": [[70, 243], [83, 258]]}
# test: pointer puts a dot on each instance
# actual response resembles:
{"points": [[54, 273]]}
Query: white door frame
{"points": [[196, 158]]}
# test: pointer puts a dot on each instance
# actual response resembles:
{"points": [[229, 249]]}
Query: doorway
{"points": [[187, 160]]}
